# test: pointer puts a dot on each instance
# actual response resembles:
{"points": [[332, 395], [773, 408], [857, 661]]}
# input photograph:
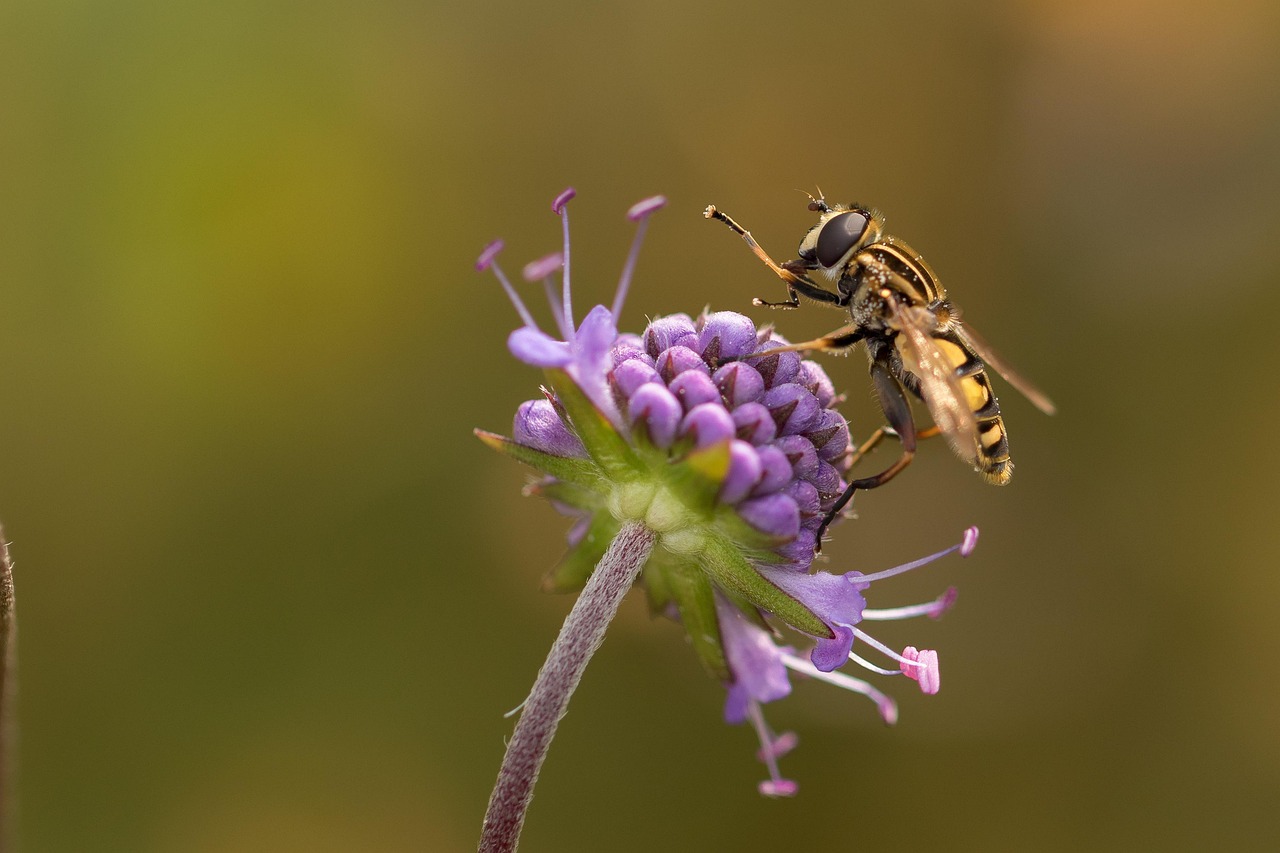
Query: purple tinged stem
{"points": [[581, 635], [8, 691]]}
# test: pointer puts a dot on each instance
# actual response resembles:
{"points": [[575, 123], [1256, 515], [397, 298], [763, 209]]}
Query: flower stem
{"points": [[581, 635], [8, 691]]}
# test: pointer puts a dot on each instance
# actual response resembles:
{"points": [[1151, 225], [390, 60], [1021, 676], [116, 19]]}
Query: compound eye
{"points": [[839, 234]]}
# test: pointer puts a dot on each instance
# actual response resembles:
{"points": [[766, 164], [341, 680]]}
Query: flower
{"points": [[730, 451]]}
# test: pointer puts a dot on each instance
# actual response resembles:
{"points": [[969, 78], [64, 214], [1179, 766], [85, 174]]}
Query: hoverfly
{"points": [[913, 334]]}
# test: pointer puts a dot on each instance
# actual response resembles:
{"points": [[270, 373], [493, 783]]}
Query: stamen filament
{"points": [[560, 202], [514, 297], [965, 547], [877, 645], [888, 709], [866, 664], [638, 213]]}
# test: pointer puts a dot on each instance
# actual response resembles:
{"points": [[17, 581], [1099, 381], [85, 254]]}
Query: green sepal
{"points": [[576, 566], [748, 538], [698, 476], [566, 493], [729, 568], [606, 445], [696, 599], [571, 469]]}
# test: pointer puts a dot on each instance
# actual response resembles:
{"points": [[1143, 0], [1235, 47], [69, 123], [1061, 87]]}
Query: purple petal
{"points": [[754, 660], [708, 424], [595, 338], [754, 423], [806, 497], [538, 425], [655, 410], [739, 383], [776, 515], [777, 368], [693, 388], [835, 600], [538, 348], [726, 335], [744, 472]]}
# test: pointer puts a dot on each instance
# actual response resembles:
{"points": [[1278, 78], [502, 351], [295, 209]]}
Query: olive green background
{"points": [[274, 596]]}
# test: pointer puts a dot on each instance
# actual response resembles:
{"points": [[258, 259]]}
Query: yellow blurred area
{"points": [[273, 595]]}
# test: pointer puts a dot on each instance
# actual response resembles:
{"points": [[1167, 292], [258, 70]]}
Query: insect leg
{"points": [[841, 339], [893, 401], [794, 281]]}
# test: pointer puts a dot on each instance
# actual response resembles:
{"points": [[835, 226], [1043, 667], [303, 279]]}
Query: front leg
{"points": [[791, 273]]}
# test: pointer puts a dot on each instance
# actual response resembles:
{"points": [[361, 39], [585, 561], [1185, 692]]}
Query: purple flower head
{"points": [[731, 453]]}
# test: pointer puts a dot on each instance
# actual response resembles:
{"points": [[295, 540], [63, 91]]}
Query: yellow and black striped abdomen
{"points": [[993, 460]]}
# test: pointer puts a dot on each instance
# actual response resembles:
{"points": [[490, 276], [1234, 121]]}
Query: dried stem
{"points": [[581, 635]]}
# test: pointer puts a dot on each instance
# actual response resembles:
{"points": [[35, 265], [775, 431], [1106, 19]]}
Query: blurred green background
{"points": [[273, 595]]}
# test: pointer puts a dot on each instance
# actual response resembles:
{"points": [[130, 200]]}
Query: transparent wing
{"points": [[938, 383], [983, 350]]}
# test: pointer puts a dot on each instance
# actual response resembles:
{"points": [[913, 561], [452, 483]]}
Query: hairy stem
{"points": [[581, 635], [8, 690]]}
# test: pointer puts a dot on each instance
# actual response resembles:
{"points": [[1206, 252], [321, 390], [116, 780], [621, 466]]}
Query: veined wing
{"points": [[923, 355], [983, 350]]}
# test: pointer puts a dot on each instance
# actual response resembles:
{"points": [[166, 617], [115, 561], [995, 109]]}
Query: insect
{"points": [[913, 335]]}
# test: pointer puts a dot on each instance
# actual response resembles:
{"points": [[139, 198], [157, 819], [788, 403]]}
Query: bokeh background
{"points": [[274, 596]]}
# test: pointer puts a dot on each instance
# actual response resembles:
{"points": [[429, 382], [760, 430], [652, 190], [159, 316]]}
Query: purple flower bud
{"points": [[656, 411], [806, 497], [801, 455], [725, 335], [827, 480], [777, 470], [776, 367], [794, 408], [629, 347], [744, 472], [829, 434], [538, 425], [813, 377], [666, 332], [754, 423], [799, 551], [739, 383], [693, 388], [630, 375], [776, 515], [707, 424], [677, 360]]}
